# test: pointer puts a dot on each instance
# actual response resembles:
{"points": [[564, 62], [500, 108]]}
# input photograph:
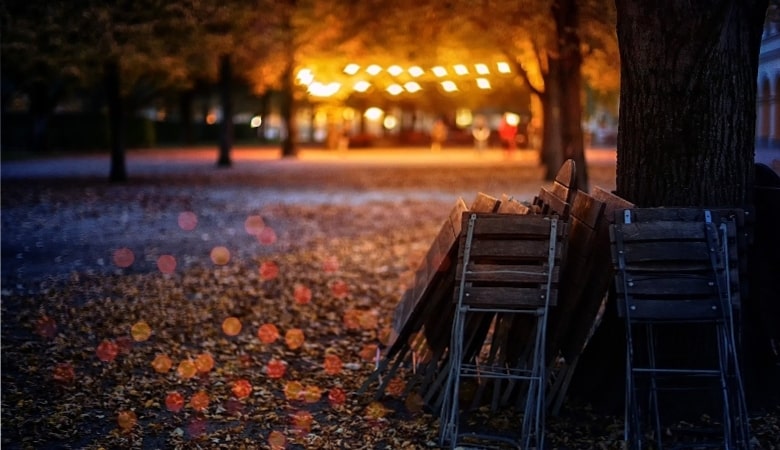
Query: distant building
{"points": [[768, 99]]}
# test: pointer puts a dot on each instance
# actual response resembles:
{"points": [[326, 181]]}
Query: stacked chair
{"points": [[506, 282], [675, 267]]}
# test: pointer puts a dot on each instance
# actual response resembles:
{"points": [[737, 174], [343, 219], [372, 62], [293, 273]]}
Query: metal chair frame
{"points": [[735, 429], [531, 371]]}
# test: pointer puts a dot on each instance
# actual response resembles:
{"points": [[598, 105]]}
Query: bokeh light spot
{"points": [[275, 368], [332, 364], [231, 326], [46, 327], [124, 344], [204, 362], [200, 401], [126, 420], [294, 338], [64, 373], [293, 390], [302, 421], [351, 319], [162, 363], [197, 427], [302, 294], [267, 236], [336, 397], [414, 402], [375, 410], [174, 401], [141, 331], [107, 350], [187, 369], [220, 255], [369, 320], [339, 289], [241, 388], [268, 270], [166, 263], [254, 225], [396, 387], [277, 440], [368, 352], [188, 220], [123, 257], [330, 264], [268, 333], [312, 394]]}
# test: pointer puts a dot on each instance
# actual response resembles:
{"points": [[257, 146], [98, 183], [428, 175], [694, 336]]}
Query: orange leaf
{"points": [[293, 390], [174, 401], [302, 294], [277, 441], [332, 364], [200, 401], [268, 333], [162, 363], [204, 362], [241, 388], [337, 396], [294, 338], [276, 368], [107, 350], [231, 326], [126, 420], [187, 369], [268, 270], [141, 331]]}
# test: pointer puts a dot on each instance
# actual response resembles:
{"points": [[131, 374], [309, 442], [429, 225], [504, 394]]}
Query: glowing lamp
{"points": [[395, 70], [351, 69], [449, 86], [373, 69]]}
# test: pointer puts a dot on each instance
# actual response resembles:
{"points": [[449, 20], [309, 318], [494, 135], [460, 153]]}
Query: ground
{"points": [[196, 266]]}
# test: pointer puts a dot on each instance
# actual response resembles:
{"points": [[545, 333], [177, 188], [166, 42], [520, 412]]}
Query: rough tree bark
{"points": [[687, 101]]}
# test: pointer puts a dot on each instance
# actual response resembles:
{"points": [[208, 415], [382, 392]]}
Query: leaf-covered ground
{"points": [[193, 307]]}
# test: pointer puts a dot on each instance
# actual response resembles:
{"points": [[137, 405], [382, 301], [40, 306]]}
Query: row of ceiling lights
{"points": [[320, 89]]}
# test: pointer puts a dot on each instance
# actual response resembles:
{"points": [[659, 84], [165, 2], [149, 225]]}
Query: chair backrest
{"points": [[670, 264], [511, 261], [560, 196]]}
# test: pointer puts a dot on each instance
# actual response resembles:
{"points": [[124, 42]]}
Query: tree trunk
{"points": [[185, 110], [687, 101], [226, 125], [115, 122], [552, 126], [566, 15], [289, 147]]}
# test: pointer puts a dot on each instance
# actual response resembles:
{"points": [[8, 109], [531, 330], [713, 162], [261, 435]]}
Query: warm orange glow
{"points": [[503, 67]]}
